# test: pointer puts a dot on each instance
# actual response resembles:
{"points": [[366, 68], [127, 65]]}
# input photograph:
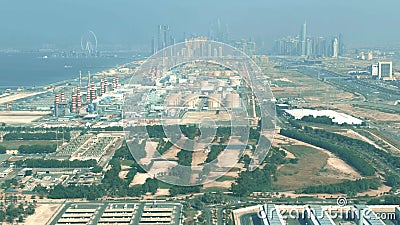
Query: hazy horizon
{"points": [[132, 24]]}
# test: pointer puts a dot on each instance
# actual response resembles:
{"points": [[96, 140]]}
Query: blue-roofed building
{"points": [[315, 215], [367, 217], [270, 215]]}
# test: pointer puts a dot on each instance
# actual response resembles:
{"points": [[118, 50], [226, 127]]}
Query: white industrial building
{"points": [[339, 118]]}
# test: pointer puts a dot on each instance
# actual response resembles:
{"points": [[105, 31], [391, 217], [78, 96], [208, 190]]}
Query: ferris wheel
{"points": [[89, 43]]}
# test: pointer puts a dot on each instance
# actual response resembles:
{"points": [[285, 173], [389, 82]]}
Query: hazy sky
{"points": [[28, 24]]}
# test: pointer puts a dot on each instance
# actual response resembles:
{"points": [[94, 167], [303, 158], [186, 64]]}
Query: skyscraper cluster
{"points": [[163, 39], [218, 32], [247, 46], [308, 46]]}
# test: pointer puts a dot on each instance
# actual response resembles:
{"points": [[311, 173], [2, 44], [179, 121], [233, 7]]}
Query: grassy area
{"points": [[216, 189], [225, 178], [379, 107], [387, 138], [13, 145], [283, 83], [127, 162], [307, 172], [163, 185], [327, 127]]}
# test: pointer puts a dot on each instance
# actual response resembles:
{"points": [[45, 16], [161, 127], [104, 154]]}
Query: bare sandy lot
{"points": [[197, 117], [369, 114], [21, 117], [162, 192], [43, 213], [289, 155], [150, 150], [381, 190], [18, 96], [233, 174], [162, 167], [123, 174], [333, 163], [338, 165], [140, 178], [316, 166], [171, 153], [224, 184], [199, 157], [228, 158]]}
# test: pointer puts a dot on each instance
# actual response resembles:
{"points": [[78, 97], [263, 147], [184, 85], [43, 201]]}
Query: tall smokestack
{"points": [[102, 87], [73, 103], [116, 82], [78, 100], [93, 92], [56, 104], [113, 84], [57, 100], [62, 96]]}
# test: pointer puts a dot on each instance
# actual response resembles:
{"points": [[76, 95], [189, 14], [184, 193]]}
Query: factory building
{"points": [[192, 100], [214, 101], [74, 105], [235, 81], [233, 101], [374, 70], [385, 70], [106, 85], [174, 99], [60, 107]]}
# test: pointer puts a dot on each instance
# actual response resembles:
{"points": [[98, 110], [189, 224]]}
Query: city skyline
{"points": [[118, 26]]}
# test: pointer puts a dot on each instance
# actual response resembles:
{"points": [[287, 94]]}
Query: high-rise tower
{"points": [[159, 38], [165, 37], [303, 39], [335, 48]]}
